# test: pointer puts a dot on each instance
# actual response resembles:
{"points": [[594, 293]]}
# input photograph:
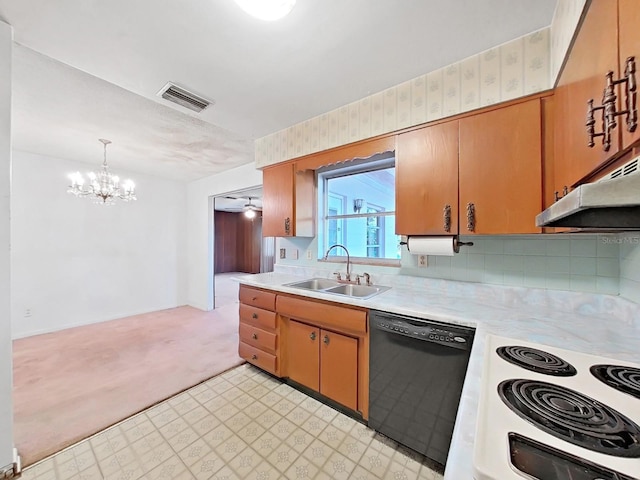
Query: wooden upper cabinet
{"points": [[288, 202], [427, 180], [501, 169], [594, 53], [277, 200], [629, 42]]}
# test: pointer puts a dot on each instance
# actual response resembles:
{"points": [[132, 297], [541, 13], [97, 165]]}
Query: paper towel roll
{"points": [[431, 245]]}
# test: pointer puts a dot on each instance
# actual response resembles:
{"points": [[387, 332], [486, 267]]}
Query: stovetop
{"points": [[543, 405]]}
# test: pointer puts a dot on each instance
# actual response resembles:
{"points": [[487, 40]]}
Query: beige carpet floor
{"points": [[73, 383]]}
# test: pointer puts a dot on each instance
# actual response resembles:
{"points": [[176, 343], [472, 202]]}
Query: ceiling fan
{"points": [[248, 208]]}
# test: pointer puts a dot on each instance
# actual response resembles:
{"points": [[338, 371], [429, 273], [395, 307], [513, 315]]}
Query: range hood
{"points": [[610, 204]]}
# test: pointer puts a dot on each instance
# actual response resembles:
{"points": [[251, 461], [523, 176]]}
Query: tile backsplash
{"points": [[584, 263], [579, 262], [629, 245], [513, 69]]}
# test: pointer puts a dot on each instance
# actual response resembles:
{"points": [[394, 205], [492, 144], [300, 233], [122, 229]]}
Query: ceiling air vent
{"points": [[183, 97]]}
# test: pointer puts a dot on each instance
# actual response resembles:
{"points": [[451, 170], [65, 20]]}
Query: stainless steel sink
{"points": [[314, 284], [334, 287], [358, 291]]}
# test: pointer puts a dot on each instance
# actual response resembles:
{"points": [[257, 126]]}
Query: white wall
{"points": [[511, 70], [6, 405], [74, 262], [200, 227], [563, 27]]}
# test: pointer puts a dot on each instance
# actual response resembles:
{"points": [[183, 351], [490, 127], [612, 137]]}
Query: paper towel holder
{"points": [[456, 244]]}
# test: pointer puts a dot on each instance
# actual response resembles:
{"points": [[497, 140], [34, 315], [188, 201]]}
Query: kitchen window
{"points": [[356, 208]]}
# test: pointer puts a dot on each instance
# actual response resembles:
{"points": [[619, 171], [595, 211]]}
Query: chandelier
{"points": [[103, 187]]}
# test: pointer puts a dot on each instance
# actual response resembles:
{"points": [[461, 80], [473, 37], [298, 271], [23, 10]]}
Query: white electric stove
{"points": [[546, 413]]}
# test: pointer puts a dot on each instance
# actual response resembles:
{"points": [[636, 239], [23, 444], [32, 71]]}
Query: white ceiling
{"points": [[235, 202], [262, 76]]}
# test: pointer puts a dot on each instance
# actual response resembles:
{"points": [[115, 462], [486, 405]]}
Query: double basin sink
{"points": [[335, 287]]}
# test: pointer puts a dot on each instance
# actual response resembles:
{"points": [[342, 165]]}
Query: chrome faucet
{"points": [[348, 277]]}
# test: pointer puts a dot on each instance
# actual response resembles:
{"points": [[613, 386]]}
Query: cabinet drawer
{"points": [[257, 317], [257, 337], [259, 358], [257, 298], [332, 316]]}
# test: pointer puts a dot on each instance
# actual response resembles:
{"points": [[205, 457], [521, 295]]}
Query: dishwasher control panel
{"points": [[427, 330]]}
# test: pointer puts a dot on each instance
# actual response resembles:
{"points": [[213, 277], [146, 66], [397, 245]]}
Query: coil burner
{"points": [[624, 379], [572, 416], [536, 360]]}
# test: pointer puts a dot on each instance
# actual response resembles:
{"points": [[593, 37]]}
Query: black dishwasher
{"points": [[416, 372]]}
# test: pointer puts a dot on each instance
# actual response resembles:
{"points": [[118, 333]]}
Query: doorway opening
{"points": [[238, 245]]}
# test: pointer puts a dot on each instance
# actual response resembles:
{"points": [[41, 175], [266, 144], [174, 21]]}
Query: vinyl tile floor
{"points": [[242, 424]]}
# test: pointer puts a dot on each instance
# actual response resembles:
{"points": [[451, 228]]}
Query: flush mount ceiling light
{"points": [[268, 10], [103, 187]]}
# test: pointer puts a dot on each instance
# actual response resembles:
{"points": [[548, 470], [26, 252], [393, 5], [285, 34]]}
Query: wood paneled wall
{"points": [[237, 242]]}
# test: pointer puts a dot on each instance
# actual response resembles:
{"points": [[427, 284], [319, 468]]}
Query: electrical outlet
{"points": [[294, 253], [308, 254], [283, 253], [422, 260], [27, 312]]}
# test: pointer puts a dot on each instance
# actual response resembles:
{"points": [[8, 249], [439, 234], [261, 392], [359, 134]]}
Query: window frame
{"points": [[323, 175]]}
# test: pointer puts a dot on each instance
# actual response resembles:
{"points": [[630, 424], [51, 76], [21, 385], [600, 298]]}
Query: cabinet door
{"points": [[277, 201], [303, 362], [339, 368], [501, 169], [629, 19], [427, 180], [594, 53]]}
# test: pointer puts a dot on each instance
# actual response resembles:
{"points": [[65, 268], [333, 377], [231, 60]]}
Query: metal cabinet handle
{"points": [[609, 102], [565, 192], [471, 217], [591, 126], [610, 109], [326, 339], [312, 335], [254, 336], [287, 226], [447, 218], [254, 316], [254, 357]]}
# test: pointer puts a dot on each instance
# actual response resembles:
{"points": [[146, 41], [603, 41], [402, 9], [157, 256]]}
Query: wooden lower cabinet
{"points": [[325, 347], [258, 357], [339, 368], [321, 345], [303, 354], [259, 329], [324, 361]]}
